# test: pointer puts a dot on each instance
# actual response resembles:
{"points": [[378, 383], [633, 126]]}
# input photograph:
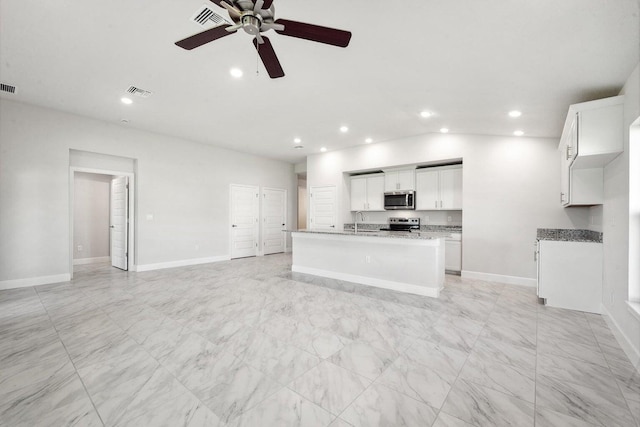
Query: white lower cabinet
{"points": [[570, 274], [453, 255]]}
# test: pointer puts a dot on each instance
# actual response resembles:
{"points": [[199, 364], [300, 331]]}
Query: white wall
{"points": [[616, 228], [511, 187], [185, 185], [91, 215]]}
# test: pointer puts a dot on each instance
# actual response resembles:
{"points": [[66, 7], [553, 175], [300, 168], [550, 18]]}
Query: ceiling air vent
{"points": [[7, 88], [205, 15], [139, 92]]}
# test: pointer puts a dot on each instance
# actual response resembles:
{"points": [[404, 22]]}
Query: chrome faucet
{"points": [[362, 216]]}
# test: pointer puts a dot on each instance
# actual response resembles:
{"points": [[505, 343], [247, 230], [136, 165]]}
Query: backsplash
{"points": [[569, 235]]}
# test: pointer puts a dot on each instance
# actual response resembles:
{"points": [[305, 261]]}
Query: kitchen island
{"points": [[405, 262]]}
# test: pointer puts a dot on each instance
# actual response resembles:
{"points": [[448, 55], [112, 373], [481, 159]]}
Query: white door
{"points": [[244, 221], [322, 207], [274, 209], [119, 224]]}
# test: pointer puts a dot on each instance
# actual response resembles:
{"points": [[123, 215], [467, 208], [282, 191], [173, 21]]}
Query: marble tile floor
{"points": [[248, 343]]}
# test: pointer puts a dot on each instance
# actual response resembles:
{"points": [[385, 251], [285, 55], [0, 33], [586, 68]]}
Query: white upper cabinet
{"points": [[399, 180], [592, 137], [367, 193], [439, 188]]}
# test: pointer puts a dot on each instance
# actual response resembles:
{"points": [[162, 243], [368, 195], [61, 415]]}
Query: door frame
{"points": [[261, 218], [131, 259], [256, 213]]}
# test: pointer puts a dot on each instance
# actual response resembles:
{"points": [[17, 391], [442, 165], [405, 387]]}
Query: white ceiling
{"points": [[467, 61]]}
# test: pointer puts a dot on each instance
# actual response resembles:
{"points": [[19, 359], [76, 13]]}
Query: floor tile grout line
{"points": [[95, 408]]}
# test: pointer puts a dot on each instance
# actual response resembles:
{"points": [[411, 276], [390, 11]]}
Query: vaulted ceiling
{"points": [[467, 62]]}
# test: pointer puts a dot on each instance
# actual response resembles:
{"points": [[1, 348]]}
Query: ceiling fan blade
{"points": [[204, 37], [269, 58], [271, 26], [267, 4], [314, 33], [231, 9], [258, 5]]}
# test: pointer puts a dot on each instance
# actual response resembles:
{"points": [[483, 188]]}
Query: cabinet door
{"points": [[375, 193], [453, 255], [391, 181], [451, 189], [565, 163], [427, 197], [358, 194], [406, 180]]}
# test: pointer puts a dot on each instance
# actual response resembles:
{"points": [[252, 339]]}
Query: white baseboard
{"points": [[96, 260], [181, 263], [34, 281], [500, 278], [632, 353], [370, 281]]}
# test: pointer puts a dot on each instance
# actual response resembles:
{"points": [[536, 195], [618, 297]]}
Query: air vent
{"points": [[7, 88], [205, 15], [139, 92]]}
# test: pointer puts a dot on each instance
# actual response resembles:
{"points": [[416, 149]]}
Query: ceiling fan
{"points": [[256, 17]]}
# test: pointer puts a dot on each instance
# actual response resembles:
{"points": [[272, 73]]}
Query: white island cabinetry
{"points": [[412, 264]]}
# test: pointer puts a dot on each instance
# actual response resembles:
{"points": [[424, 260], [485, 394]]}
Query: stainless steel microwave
{"points": [[397, 200]]}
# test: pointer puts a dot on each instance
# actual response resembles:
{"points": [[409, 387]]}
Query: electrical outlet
{"points": [[367, 259], [149, 217], [80, 248], [448, 219]]}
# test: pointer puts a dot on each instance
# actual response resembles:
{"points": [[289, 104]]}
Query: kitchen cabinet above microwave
{"points": [[593, 133], [399, 179]]}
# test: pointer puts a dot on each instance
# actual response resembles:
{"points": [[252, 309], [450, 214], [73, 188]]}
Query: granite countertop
{"points": [[569, 235], [429, 235]]}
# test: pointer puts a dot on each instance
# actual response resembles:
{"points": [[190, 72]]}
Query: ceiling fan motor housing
{"points": [[251, 23]]}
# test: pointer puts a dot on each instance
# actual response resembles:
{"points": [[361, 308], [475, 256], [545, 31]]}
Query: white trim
{"points": [[182, 263], [34, 281], [370, 281], [634, 309], [95, 260], [632, 353], [500, 278]]}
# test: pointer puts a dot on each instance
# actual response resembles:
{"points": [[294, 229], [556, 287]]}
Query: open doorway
{"points": [[101, 219]]}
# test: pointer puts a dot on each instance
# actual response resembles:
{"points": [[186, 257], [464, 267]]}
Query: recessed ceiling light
{"points": [[126, 101], [344, 129], [425, 114], [297, 140], [518, 133], [444, 130], [368, 140], [236, 72], [515, 113], [323, 149]]}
